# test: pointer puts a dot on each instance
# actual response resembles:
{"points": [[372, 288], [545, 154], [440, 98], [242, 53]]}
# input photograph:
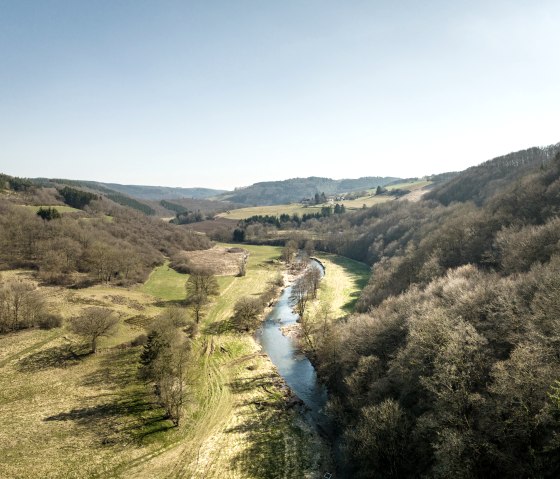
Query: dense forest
{"points": [[452, 367], [106, 242]]}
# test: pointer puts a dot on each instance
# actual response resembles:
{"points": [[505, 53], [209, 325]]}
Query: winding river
{"points": [[292, 364]]}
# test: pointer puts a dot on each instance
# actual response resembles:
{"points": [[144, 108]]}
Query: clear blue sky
{"points": [[226, 93]]}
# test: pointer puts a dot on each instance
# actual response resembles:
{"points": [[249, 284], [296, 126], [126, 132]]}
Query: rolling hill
{"points": [[294, 189]]}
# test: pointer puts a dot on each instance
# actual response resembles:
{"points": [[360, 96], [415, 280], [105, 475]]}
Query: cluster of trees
{"points": [[77, 198], [187, 217], [320, 198], [452, 380], [124, 200], [172, 206], [164, 360], [14, 183], [285, 220], [393, 192], [22, 306], [248, 310], [79, 195], [124, 247], [479, 183], [48, 213], [413, 243]]}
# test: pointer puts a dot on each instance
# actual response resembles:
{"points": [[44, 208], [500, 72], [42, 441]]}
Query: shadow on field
{"points": [[167, 303], [62, 356], [218, 327], [273, 449], [349, 306], [117, 370], [266, 382], [125, 410]]}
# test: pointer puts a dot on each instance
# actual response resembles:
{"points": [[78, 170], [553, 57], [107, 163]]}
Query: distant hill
{"points": [[480, 182], [162, 192], [141, 192], [150, 200], [295, 189]]}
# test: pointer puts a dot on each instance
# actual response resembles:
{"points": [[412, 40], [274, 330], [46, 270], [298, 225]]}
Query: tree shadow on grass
{"points": [[275, 445], [166, 303], [127, 413], [63, 356], [350, 305], [117, 370], [267, 382]]}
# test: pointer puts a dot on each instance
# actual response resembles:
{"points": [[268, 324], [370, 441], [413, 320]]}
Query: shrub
{"points": [[49, 321]]}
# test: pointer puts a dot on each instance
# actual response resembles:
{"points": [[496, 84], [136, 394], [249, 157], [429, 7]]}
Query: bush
{"points": [[49, 321]]}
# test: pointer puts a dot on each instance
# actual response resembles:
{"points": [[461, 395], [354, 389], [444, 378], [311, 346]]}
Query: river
{"points": [[292, 364]]}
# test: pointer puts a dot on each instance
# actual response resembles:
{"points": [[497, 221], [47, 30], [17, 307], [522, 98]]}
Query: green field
{"points": [[59, 208], [297, 208], [165, 283], [341, 286]]}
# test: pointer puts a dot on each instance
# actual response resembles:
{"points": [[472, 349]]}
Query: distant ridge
{"points": [[162, 192], [478, 183], [295, 189]]}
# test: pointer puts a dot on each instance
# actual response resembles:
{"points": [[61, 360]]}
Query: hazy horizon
{"points": [[223, 95]]}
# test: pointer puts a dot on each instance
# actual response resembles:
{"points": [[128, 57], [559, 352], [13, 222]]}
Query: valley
{"points": [[94, 409], [135, 347]]}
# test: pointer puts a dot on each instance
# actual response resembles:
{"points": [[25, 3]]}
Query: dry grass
{"points": [[223, 261], [68, 414], [59, 208], [274, 210]]}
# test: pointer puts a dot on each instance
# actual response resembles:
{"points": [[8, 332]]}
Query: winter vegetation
{"points": [[127, 343]]}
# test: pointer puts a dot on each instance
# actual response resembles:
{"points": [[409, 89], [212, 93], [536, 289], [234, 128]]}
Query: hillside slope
{"points": [[452, 368], [295, 189], [482, 181]]}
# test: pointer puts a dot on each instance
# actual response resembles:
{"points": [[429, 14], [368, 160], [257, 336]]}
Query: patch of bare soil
{"points": [[415, 195], [221, 261], [211, 226]]}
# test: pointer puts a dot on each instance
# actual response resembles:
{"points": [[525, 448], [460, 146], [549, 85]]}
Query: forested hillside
{"points": [[295, 189], [90, 240], [478, 183], [452, 369], [162, 192]]}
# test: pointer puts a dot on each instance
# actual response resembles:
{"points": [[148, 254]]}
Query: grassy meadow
{"points": [[344, 279], [59, 208], [297, 208], [69, 414]]}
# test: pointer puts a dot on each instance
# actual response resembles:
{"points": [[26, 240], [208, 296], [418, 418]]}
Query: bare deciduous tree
{"points": [[300, 296], [21, 305], [200, 286], [94, 323], [289, 251], [246, 313], [163, 363]]}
